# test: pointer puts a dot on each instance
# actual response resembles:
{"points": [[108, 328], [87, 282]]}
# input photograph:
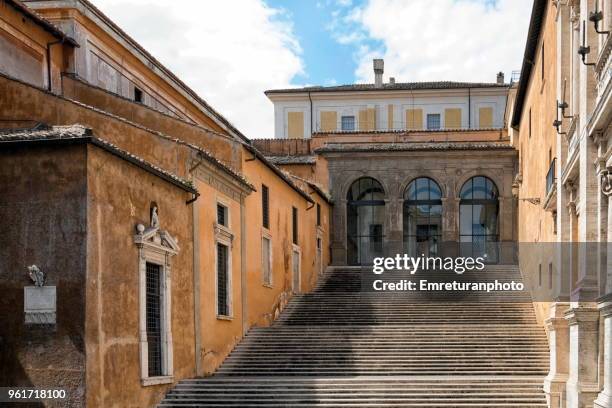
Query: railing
{"points": [[516, 76], [551, 177]]}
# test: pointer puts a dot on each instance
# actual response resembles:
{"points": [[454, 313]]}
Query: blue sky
{"points": [[230, 52], [326, 60]]}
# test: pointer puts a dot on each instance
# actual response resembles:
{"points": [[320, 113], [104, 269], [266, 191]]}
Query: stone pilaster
{"points": [[582, 384], [393, 241], [338, 236], [604, 399], [558, 339]]}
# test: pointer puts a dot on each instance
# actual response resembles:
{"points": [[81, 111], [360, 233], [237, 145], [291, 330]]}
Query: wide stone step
{"points": [[340, 347]]}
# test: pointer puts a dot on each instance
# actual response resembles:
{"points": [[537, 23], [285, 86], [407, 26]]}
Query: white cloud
{"points": [[458, 40], [229, 52]]}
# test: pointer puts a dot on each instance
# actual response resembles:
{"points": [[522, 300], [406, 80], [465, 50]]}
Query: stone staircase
{"points": [[343, 347]]}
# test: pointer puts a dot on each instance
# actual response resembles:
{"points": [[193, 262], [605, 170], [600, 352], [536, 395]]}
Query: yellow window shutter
{"points": [[390, 117], [414, 119], [329, 121], [295, 125], [363, 119], [452, 118], [485, 118], [371, 119]]}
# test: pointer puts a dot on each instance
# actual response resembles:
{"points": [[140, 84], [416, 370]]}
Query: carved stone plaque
{"points": [[39, 303]]}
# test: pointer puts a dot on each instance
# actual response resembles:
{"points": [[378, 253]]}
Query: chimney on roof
{"points": [[379, 68], [392, 80], [500, 78]]}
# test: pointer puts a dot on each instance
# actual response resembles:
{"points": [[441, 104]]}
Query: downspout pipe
{"points": [[469, 108], [311, 128]]}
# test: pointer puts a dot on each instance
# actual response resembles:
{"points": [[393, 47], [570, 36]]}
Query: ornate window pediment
{"points": [[156, 247], [156, 239]]}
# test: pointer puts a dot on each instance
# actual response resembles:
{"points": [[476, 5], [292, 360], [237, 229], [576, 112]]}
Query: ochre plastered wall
{"points": [[537, 225], [23, 46], [264, 303], [24, 102], [94, 40], [225, 148], [219, 334], [119, 197]]}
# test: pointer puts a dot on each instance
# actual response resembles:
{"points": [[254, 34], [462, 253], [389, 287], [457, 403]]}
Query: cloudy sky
{"points": [[231, 51]]}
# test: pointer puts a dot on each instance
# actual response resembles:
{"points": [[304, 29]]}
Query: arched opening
{"points": [[422, 217], [365, 219], [479, 219]]}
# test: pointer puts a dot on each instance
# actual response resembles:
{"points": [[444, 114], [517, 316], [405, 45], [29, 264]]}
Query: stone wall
{"points": [[43, 213], [395, 170]]}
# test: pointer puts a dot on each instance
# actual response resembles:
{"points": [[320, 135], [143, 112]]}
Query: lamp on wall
{"points": [[584, 49], [515, 194], [557, 123], [596, 16]]}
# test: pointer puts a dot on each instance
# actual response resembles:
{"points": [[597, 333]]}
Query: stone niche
{"points": [[39, 303]]}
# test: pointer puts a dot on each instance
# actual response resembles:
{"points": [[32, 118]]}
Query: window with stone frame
{"points": [[223, 281], [156, 248]]}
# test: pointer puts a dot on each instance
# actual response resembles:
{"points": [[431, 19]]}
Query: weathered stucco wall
{"points": [[120, 197], [43, 216], [537, 146], [23, 46], [219, 334], [265, 302], [224, 147], [23, 102], [107, 59]]}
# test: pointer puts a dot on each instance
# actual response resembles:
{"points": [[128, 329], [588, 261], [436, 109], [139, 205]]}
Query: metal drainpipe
{"points": [[469, 108], [310, 99]]}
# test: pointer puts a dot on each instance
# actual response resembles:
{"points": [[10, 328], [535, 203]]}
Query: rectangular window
{"points": [[348, 123], [318, 215], [154, 316], [452, 118], [295, 224], [295, 125], [433, 121], [414, 119], [266, 255], [530, 123], [540, 275], [485, 117], [222, 215], [138, 95], [222, 281], [265, 206], [550, 275]]}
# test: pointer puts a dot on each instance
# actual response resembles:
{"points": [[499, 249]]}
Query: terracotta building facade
{"points": [[158, 234], [163, 234]]}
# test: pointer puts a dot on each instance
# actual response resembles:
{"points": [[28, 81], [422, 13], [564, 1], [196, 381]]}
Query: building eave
{"points": [[42, 22], [89, 10], [533, 36]]}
